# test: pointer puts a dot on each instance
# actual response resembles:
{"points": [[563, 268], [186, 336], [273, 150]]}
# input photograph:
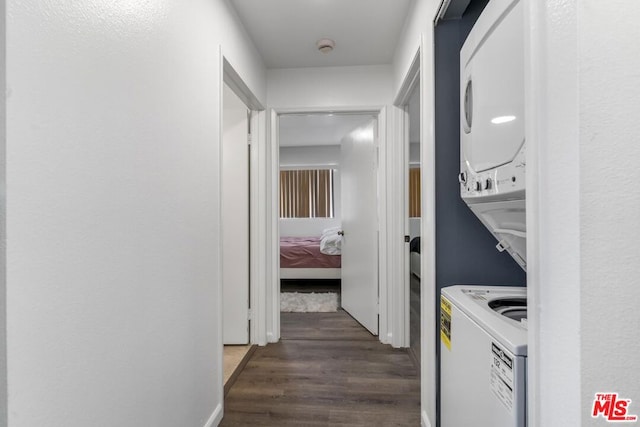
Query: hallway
{"points": [[326, 370]]}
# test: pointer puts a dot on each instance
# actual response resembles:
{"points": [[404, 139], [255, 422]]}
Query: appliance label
{"points": [[445, 322], [502, 376]]}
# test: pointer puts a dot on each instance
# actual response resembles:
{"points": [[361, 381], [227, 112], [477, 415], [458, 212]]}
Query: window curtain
{"points": [[414, 192], [306, 193]]}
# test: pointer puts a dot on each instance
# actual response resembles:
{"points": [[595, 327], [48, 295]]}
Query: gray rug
{"points": [[294, 302]]}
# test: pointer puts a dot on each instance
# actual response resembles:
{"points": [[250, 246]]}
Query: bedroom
{"points": [[311, 208]]}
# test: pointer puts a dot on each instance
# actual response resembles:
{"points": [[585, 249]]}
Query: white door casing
{"points": [[360, 225], [235, 220]]}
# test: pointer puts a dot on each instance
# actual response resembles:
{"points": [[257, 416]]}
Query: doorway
{"points": [[327, 215], [242, 150], [235, 233], [413, 206]]}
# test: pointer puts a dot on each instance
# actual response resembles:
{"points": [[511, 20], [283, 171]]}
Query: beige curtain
{"points": [[414, 192], [306, 193]]}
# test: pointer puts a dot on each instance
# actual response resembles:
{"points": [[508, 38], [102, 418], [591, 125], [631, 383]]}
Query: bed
{"points": [[300, 258]]}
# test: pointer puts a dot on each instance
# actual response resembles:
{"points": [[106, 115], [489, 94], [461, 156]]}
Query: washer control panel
{"points": [[501, 183]]}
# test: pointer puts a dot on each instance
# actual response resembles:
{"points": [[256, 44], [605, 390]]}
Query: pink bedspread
{"points": [[304, 252]]}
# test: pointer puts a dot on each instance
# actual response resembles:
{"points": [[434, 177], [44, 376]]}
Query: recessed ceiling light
{"points": [[325, 45]]}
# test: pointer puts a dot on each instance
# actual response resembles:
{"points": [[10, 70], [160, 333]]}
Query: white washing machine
{"points": [[483, 354]]}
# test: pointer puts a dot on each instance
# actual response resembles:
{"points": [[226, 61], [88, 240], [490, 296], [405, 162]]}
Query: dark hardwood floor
{"points": [[327, 370]]}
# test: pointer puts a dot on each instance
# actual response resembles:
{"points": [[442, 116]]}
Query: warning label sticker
{"points": [[502, 376], [445, 321]]}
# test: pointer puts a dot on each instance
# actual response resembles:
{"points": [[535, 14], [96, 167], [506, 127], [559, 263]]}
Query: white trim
{"points": [[258, 236], [273, 238], [424, 420], [217, 226], [257, 202], [314, 166], [410, 81], [385, 324], [273, 282], [216, 417], [235, 82], [357, 110], [310, 273], [532, 76], [399, 169], [428, 295], [552, 127], [399, 325]]}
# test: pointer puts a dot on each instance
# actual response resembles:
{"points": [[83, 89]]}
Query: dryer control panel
{"points": [[506, 182]]}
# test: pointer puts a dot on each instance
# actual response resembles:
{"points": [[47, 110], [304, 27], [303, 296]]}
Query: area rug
{"points": [[294, 302]]}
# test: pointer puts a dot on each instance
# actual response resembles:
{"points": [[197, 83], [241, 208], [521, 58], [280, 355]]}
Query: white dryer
{"points": [[483, 352], [492, 138]]}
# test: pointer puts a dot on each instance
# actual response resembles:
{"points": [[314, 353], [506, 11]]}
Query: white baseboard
{"points": [[386, 340], [216, 417], [425, 420]]}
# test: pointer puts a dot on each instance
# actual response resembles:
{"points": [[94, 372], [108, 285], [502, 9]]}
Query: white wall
{"points": [[585, 274], [609, 90], [419, 23], [418, 34], [329, 87], [3, 234], [113, 209], [310, 156]]}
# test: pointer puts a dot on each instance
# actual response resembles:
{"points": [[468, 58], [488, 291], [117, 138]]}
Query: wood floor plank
{"points": [[322, 326], [342, 376]]}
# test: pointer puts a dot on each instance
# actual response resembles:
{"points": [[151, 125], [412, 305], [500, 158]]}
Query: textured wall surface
{"points": [[609, 72], [113, 209]]}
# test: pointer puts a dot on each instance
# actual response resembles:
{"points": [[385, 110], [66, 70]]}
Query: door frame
{"points": [[401, 198], [272, 195], [257, 201], [257, 208], [422, 70]]}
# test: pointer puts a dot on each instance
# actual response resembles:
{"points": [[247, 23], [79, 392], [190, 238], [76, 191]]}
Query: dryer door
{"points": [[492, 89]]}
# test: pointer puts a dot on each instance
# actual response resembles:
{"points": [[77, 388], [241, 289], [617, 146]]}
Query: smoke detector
{"points": [[325, 45]]}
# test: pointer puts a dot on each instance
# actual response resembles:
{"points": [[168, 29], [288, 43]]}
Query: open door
{"points": [[358, 166]]}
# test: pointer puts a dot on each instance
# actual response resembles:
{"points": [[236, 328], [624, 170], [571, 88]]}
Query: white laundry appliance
{"points": [[492, 139], [483, 366], [483, 329]]}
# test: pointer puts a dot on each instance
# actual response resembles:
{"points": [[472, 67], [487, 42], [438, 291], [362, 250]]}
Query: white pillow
{"points": [[330, 231], [331, 245]]}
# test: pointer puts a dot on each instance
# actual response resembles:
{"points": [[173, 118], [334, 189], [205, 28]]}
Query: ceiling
{"points": [[317, 129], [285, 31]]}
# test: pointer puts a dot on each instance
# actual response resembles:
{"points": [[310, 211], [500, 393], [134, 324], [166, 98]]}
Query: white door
{"points": [[358, 169], [235, 220]]}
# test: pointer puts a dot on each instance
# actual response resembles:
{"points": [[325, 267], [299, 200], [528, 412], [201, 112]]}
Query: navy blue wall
{"points": [[465, 250]]}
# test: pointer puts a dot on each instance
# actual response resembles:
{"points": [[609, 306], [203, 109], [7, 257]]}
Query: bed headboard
{"points": [[302, 227]]}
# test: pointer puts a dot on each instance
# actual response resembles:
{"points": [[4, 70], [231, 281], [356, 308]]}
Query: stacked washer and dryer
{"points": [[483, 329]]}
